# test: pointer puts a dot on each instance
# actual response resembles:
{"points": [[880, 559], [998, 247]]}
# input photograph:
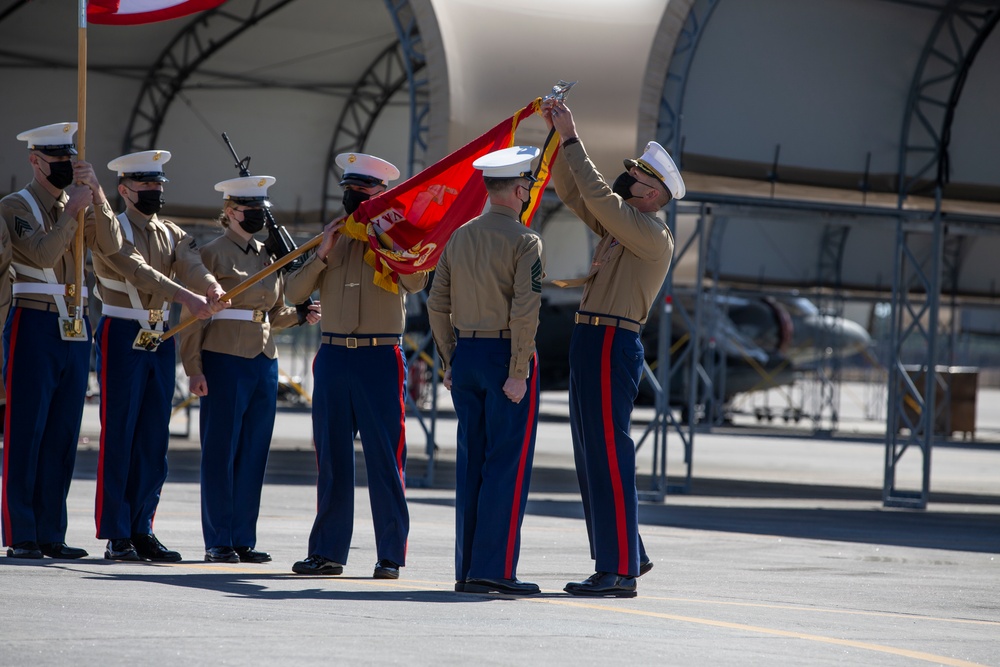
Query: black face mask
{"points": [[623, 185], [148, 202], [60, 174], [253, 220], [353, 199]]}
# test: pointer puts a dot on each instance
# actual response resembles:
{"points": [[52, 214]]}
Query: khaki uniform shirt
{"points": [[489, 278], [634, 253], [48, 243], [352, 303], [232, 260], [159, 250]]}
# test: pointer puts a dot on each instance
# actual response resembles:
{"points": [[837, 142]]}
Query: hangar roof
{"points": [[836, 100]]}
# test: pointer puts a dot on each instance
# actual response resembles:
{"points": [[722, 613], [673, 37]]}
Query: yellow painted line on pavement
{"points": [[823, 610], [892, 650]]}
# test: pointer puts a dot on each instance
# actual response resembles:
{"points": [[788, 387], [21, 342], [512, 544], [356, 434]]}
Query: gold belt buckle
{"points": [[71, 328], [257, 316], [155, 316], [596, 321], [147, 340], [352, 343], [71, 290]]}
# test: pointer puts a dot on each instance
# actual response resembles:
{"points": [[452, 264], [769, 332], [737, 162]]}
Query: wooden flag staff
{"points": [[152, 341], [72, 326]]}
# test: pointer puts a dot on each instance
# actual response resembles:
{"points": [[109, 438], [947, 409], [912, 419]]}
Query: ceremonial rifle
{"points": [[279, 242]]}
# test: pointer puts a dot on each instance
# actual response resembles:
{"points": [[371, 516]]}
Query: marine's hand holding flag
{"points": [[408, 225], [113, 12]]}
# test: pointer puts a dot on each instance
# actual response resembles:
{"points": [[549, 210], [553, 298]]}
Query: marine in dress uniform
{"points": [[137, 284], [233, 365], [606, 354], [45, 375], [483, 311], [360, 383]]}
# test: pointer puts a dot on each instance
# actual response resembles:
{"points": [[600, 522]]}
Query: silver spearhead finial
{"points": [[560, 90]]}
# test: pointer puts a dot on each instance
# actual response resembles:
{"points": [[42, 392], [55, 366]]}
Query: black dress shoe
{"points": [[603, 585], [459, 586], [505, 586], [24, 550], [251, 555], [60, 550], [221, 555], [316, 564], [645, 566], [150, 548], [386, 569], [120, 549]]}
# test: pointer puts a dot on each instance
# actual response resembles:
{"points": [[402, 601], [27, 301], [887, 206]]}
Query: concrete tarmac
{"points": [[781, 554]]}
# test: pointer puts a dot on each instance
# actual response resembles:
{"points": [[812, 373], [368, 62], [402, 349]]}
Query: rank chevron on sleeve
{"points": [[21, 226]]}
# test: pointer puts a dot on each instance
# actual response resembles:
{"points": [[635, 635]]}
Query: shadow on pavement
{"points": [[267, 587], [952, 531], [956, 531]]}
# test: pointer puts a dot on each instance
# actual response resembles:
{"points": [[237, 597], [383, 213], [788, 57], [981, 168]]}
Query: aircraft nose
{"points": [[848, 337]]}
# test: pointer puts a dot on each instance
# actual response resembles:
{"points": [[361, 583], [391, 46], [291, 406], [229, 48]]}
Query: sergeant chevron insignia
{"points": [[22, 226], [536, 277]]}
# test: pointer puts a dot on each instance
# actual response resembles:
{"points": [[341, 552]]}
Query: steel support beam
{"points": [[911, 410], [668, 131], [13, 7], [411, 42], [689, 360], [396, 66], [948, 54], [960, 31], [410, 53], [711, 380], [680, 366], [824, 403]]}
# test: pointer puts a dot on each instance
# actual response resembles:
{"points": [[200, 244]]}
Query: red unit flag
{"points": [[408, 226]]}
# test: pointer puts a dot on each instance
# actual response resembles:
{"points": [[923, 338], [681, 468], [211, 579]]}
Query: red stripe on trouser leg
{"points": [[515, 509], [609, 444], [8, 529], [401, 445], [99, 502]]}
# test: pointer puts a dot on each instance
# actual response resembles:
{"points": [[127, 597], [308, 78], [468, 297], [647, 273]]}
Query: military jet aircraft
{"points": [[759, 341]]}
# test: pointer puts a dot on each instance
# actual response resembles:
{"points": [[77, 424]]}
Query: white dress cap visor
{"points": [[366, 170], [655, 161], [513, 162], [55, 139], [246, 188], [142, 166]]}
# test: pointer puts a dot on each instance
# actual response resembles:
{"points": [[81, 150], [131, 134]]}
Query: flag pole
{"points": [[74, 328]]}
